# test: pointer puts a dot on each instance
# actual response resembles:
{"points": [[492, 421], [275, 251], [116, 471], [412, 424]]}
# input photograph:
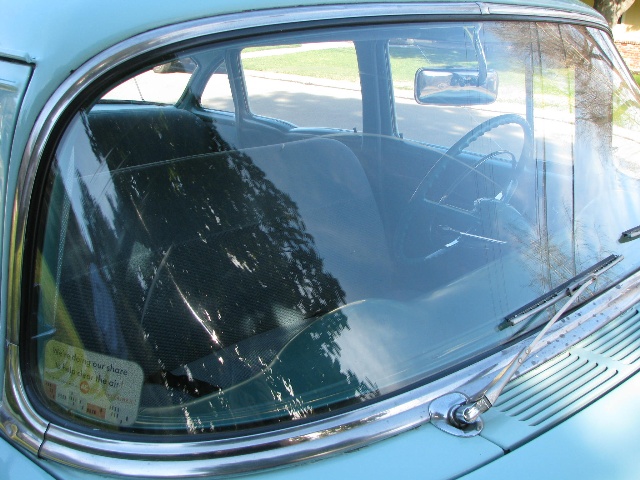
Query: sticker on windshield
{"points": [[92, 384]]}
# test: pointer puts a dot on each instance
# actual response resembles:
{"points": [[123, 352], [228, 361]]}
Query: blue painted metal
{"points": [[14, 77], [15, 465], [599, 442]]}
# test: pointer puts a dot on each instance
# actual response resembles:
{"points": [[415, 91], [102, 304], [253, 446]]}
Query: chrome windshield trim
{"points": [[515, 10], [346, 431]]}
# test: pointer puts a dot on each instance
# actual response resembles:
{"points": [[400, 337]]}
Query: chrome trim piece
{"points": [[18, 420], [342, 432], [515, 10], [16, 55]]}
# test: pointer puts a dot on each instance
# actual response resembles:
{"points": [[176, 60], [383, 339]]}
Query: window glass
{"points": [[187, 283], [309, 85], [455, 49], [163, 84], [217, 93]]}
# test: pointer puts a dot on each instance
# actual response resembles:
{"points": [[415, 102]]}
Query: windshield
{"points": [[324, 219]]}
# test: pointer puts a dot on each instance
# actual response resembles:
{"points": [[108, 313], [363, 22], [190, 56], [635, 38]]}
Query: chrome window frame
{"points": [[350, 429]]}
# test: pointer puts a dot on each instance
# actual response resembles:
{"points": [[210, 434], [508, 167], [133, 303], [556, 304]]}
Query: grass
{"points": [[404, 70], [340, 63], [333, 64], [271, 47]]}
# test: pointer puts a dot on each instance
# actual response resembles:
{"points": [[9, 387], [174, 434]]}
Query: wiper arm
{"points": [[565, 290], [458, 414]]}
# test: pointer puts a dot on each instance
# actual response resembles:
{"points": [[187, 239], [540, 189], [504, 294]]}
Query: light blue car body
{"points": [[54, 39]]}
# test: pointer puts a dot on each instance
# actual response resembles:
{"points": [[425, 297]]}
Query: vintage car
{"points": [[320, 239]]}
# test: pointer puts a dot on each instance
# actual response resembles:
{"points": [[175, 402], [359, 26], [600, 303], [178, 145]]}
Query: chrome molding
{"points": [[18, 420], [546, 13], [346, 431]]}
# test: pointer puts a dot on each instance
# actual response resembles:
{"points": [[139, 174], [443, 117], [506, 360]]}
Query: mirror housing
{"points": [[455, 86]]}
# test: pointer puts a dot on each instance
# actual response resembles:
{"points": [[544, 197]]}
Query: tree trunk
{"points": [[612, 10]]}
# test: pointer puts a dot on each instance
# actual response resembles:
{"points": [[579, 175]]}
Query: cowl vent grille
{"points": [[558, 388], [619, 340]]}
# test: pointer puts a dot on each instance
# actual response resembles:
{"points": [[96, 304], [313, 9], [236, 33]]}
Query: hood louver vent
{"points": [[557, 389]]}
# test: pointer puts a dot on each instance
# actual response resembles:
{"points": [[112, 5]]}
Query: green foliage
{"points": [[332, 64]]}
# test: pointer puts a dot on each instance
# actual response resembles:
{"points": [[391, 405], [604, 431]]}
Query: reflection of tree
{"points": [[574, 74], [612, 10], [305, 378], [187, 257], [555, 49], [221, 245]]}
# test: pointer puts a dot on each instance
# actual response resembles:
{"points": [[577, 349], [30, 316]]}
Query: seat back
{"points": [[194, 247], [257, 239]]}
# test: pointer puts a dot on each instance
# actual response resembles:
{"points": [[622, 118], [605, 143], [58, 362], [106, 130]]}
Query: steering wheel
{"points": [[447, 224]]}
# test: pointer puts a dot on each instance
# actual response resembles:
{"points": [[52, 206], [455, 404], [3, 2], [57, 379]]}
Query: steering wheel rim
{"points": [[471, 136], [440, 167]]}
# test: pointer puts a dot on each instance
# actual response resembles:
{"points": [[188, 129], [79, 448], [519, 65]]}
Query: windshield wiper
{"points": [[458, 414], [630, 234], [565, 290]]}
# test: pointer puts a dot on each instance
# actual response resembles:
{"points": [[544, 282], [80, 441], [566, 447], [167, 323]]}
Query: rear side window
{"points": [[164, 84], [217, 93], [300, 83]]}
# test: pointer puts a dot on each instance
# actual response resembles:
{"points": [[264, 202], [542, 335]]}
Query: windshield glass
{"points": [[357, 213]]}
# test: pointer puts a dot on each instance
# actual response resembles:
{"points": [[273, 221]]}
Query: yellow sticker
{"points": [[102, 387]]}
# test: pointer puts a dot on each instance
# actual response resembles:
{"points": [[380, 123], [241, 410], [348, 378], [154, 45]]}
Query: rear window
{"points": [[287, 242]]}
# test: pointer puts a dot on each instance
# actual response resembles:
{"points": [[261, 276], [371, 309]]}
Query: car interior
{"points": [[200, 243]]}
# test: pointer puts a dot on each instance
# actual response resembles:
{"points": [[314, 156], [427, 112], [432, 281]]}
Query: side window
{"points": [[163, 84], [217, 93], [452, 58], [308, 85]]}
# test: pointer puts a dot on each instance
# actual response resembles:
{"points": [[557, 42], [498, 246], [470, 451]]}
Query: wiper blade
{"points": [[565, 290], [458, 414], [630, 234]]}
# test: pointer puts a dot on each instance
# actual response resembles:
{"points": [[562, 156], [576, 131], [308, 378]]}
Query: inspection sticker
{"points": [[93, 384]]}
